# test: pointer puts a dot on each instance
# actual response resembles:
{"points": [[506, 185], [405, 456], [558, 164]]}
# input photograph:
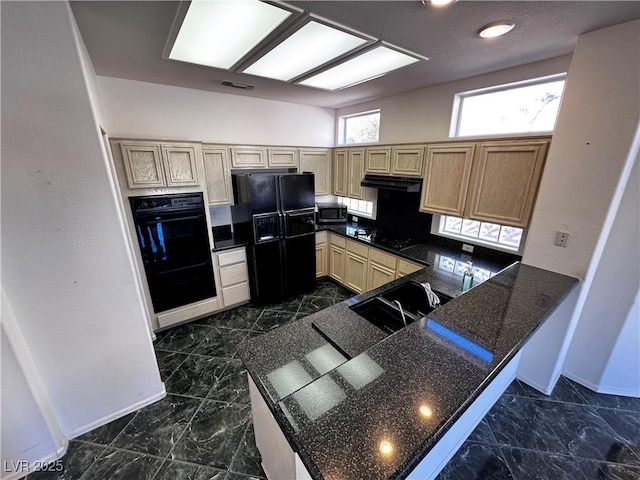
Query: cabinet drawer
{"points": [[235, 294], [233, 274], [382, 258], [321, 237], [357, 248], [234, 256], [338, 241]]}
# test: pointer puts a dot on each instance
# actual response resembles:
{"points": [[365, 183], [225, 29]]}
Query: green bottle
{"points": [[467, 278]]}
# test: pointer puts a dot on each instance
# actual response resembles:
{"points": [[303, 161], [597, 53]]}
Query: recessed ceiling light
{"points": [[313, 45], [440, 3], [218, 33], [495, 29], [367, 66]]}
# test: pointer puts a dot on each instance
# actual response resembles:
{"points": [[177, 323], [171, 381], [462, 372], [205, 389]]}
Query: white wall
{"points": [[622, 373], [586, 171], [30, 431], [66, 267], [605, 314], [149, 110], [425, 115]]}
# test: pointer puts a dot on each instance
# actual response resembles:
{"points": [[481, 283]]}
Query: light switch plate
{"points": [[467, 248]]}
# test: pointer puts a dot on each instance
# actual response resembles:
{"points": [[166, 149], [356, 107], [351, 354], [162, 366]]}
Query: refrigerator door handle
{"points": [[283, 231]]}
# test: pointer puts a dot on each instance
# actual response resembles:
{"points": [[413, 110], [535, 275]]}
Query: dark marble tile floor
{"points": [[202, 430]]}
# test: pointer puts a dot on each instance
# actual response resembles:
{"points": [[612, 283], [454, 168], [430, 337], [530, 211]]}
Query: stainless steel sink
{"points": [[400, 306]]}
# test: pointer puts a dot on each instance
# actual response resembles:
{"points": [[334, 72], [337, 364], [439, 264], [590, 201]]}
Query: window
{"points": [[529, 107], [492, 235], [359, 128], [359, 207]]}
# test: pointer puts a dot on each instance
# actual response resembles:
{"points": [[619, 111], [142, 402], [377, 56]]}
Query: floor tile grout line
{"points": [[187, 425], [235, 454], [557, 454]]}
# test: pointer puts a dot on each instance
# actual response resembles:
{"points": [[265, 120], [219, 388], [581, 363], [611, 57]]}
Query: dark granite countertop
{"points": [[444, 266], [228, 244], [338, 386]]}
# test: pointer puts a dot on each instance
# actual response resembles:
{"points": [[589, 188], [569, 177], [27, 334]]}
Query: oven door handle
{"points": [[163, 219]]}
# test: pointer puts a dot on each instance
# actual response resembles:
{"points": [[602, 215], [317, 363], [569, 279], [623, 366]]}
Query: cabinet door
{"points": [[143, 164], [355, 272], [446, 179], [218, 175], [381, 269], [180, 164], [407, 160], [283, 157], [318, 161], [378, 160], [405, 267], [356, 172], [322, 254], [321, 260], [336, 263], [340, 173], [248, 157], [506, 181], [378, 275]]}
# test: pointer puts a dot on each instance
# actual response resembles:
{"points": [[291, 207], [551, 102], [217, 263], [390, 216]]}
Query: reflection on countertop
{"points": [[351, 399]]}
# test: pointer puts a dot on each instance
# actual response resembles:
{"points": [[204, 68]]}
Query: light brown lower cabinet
{"points": [[405, 267], [234, 277], [356, 272], [322, 254], [381, 268], [357, 266], [337, 257]]}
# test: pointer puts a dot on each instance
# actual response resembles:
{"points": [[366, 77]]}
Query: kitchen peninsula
{"points": [[335, 397]]}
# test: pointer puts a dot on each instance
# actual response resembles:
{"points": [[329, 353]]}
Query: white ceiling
{"points": [[126, 39]]}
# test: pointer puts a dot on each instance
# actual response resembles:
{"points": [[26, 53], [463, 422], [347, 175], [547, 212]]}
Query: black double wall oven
{"points": [[173, 239]]}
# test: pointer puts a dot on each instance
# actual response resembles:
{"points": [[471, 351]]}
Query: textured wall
{"points": [[425, 115], [140, 109], [66, 267]]}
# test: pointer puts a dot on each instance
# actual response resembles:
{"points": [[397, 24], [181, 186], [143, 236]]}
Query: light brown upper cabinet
{"points": [[318, 161], [283, 157], [356, 172], [217, 172], [340, 173], [248, 157], [407, 160], [505, 181], [378, 160], [446, 178], [151, 164]]}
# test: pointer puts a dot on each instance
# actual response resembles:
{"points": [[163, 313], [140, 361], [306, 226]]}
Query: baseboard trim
{"points": [[59, 453], [120, 413], [623, 392], [546, 389]]}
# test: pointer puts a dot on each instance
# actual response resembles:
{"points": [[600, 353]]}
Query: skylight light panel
{"points": [[313, 45], [372, 64], [218, 33]]}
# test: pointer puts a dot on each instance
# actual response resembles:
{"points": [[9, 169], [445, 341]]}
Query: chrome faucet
{"points": [[404, 320]]}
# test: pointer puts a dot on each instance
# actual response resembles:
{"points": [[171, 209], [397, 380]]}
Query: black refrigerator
{"points": [[275, 213]]}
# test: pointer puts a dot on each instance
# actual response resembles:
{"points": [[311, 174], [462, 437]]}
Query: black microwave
{"points": [[332, 213]]}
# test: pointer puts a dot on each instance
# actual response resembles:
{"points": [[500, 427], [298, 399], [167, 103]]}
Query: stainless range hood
{"points": [[401, 184]]}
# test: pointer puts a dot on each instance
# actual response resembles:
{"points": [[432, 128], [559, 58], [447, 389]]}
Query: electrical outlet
{"points": [[355, 219], [562, 238], [467, 248]]}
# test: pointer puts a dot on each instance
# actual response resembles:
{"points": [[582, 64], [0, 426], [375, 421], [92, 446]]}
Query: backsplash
{"points": [[398, 214]]}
